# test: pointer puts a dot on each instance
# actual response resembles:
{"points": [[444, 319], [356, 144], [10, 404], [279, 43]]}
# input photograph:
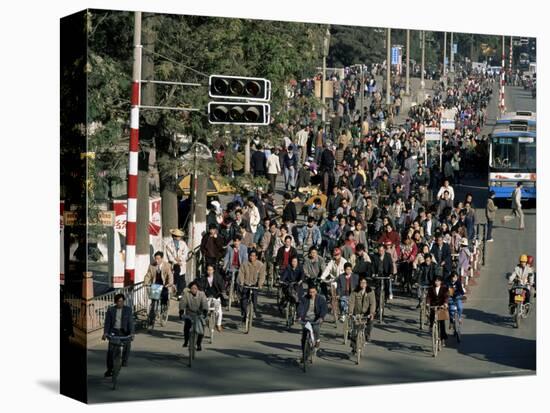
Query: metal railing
{"points": [[89, 315]]}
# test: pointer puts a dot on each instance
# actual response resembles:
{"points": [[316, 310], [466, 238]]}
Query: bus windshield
{"points": [[516, 154]]}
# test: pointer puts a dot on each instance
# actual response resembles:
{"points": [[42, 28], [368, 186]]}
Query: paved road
{"points": [[266, 359]]}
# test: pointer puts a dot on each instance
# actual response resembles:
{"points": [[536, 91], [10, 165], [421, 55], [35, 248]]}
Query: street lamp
{"points": [[197, 151]]}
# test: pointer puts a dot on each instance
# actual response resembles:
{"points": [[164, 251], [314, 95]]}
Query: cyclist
{"points": [[363, 264], [347, 282], [193, 304], [160, 273], [251, 273], [382, 265], [309, 235], [427, 271], [362, 301], [456, 292], [285, 254], [522, 275], [176, 254], [313, 264], [212, 285], [334, 268], [292, 277], [313, 307], [119, 321], [438, 295], [236, 255]]}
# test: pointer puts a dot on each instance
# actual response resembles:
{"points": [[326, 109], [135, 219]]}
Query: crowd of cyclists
{"points": [[366, 212]]}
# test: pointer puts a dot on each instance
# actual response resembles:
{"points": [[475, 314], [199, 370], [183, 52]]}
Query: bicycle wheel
{"points": [[346, 329], [382, 306], [117, 364], [287, 315], [457, 328], [164, 313], [435, 338], [248, 323], [192, 345], [292, 314], [422, 315], [231, 294], [305, 354], [152, 315], [211, 325], [359, 346]]}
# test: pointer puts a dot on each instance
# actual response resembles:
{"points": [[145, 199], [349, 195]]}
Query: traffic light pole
{"points": [[131, 204], [388, 67]]}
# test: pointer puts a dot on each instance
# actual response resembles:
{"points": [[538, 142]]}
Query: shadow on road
{"points": [[508, 351], [488, 318]]}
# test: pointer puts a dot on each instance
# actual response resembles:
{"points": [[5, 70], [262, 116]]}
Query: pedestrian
{"points": [[302, 137], [289, 167], [176, 251], [490, 213], [258, 162], [273, 166], [517, 210]]}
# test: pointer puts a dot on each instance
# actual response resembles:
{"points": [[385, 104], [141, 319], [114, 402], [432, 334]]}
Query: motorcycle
{"points": [[519, 308]]}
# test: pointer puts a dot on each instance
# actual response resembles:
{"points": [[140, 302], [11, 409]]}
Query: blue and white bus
{"points": [[513, 158], [518, 118]]}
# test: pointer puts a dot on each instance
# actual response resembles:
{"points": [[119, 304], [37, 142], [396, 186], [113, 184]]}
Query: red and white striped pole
{"points": [[131, 205], [502, 70], [510, 56]]}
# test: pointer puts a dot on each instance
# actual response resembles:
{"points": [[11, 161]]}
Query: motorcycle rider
{"points": [[524, 277]]}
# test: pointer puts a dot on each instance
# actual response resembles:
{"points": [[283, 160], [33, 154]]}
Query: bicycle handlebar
{"points": [[121, 339]]}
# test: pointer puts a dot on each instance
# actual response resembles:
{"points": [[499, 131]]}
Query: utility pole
{"points": [[511, 56], [247, 153], [502, 69], [407, 72], [388, 66], [362, 94], [451, 68], [326, 45], [445, 56], [131, 203], [423, 46]]}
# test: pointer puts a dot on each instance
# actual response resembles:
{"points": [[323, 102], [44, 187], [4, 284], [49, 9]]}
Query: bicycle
{"points": [[436, 334], [358, 331], [232, 295], [117, 344], [248, 321], [423, 306], [211, 322], [455, 321], [290, 306], [193, 333], [347, 329], [381, 301], [310, 350], [334, 303], [155, 293]]}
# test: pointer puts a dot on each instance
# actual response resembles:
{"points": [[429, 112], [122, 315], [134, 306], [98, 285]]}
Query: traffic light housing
{"points": [[239, 113], [239, 88]]}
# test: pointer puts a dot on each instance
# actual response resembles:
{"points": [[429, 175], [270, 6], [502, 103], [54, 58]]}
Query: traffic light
{"points": [[237, 87], [239, 113]]}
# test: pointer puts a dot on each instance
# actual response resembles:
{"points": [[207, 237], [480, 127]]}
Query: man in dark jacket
{"points": [[212, 246], [289, 211], [292, 278], [258, 162], [119, 321], [382, 266], [345, 284], [212, 285], [442, 254], [313, 308]]}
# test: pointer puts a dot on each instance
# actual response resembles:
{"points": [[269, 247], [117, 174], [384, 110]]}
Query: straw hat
{"points": [[176, 232], [464, 242]]}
